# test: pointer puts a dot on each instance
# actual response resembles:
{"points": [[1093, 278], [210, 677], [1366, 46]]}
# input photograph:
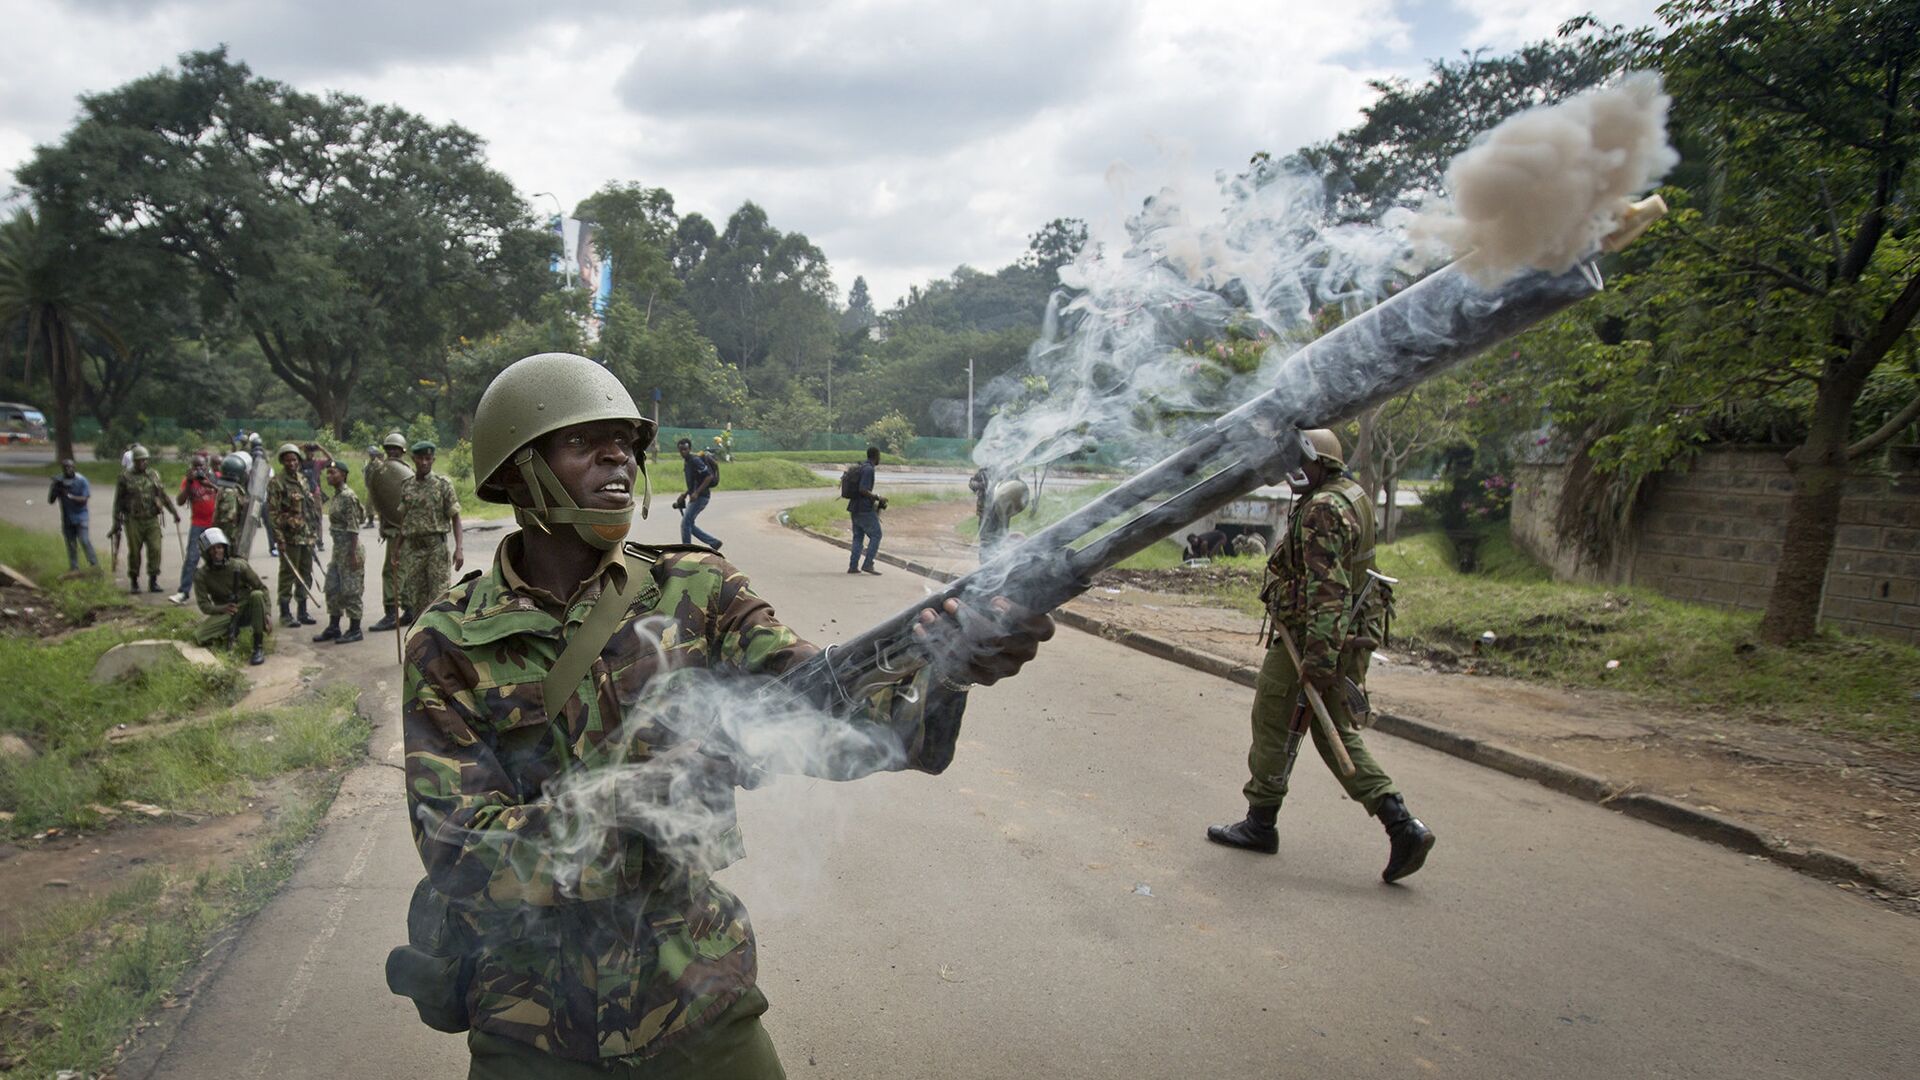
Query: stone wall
{"points": [[1713, 534]]}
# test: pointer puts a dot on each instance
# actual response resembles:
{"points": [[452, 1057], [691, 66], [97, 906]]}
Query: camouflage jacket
{"points": [[427, 506], [138, 496], [1325, 554], [214, 587], [229, 509], [599, 943], [290, 509], [345, 515]]}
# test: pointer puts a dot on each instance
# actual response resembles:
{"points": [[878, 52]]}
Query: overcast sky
{"points": [[904, 138]]}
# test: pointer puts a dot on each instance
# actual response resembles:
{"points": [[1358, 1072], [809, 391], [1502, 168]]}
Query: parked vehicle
{"points": [[21, 423]]}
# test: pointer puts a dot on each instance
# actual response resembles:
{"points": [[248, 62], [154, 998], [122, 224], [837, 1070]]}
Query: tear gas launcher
{"points": [[1413, 336]]}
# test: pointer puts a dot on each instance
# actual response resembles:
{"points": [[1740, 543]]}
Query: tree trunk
{"points": [[60, 375], [1819, 469], [1365, 469], [1390, 513]]}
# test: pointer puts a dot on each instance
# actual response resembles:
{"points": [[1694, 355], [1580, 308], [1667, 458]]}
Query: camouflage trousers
{"points": [[424, 567], [143, 534], [345, 581], [735, 1047], [296, 566], [390, 597], [251, 616], [1274, 695]]}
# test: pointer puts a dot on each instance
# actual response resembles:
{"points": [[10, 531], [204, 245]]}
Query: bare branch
{"points": [[1894, 425]]}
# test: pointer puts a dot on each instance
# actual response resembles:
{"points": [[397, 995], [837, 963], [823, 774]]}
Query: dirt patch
{"points": [[29, 612], [1808, 789], [70, 867]]}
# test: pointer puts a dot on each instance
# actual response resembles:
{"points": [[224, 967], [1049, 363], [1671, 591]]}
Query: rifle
{"points": [[1412, 336], [114, 537]]}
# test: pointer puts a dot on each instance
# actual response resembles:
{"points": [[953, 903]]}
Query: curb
{"points": [[1654, 809]]}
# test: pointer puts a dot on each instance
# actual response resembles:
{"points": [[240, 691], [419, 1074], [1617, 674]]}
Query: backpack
{"points": [[850, 482], [713, 466]]}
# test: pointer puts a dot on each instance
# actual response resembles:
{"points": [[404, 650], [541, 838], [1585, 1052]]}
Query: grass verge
{"points": [[1668, 651], [830, 515], [81, 977]]}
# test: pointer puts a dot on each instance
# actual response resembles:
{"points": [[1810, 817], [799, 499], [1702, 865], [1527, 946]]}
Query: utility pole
{"points": [[969, 397]]}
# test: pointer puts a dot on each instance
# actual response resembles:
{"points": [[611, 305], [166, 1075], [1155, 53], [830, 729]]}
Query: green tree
{"points": [[892, 433], [44, 296], [859, 315], [763, 297], [636, 227], [697, 388], [792, 422], [1796, 264], [339, 234]]}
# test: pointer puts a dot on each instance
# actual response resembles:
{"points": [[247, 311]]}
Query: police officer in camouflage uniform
{"points": [[429, 510], [1317, 571], [345, 571], [291, 513], [230, 497], [609, 954], [230, 595], [137, 501], [394, 446]]}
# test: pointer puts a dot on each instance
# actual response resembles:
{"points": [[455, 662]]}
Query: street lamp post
{"points": [[969, 397]]}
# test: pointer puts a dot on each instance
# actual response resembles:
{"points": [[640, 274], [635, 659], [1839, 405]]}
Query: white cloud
{"points": [[904, 139]]}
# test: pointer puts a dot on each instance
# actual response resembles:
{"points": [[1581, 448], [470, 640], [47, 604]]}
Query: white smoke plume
{"points": [[1541, 189], [1134, 351]]}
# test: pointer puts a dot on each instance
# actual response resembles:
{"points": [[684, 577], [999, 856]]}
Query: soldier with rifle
{"points": [[230, 501], [1330, 609], [138, 499], [522, 677]]}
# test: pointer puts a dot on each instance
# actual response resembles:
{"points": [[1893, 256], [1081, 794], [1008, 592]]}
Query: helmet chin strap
{"points": [[603, 529]]}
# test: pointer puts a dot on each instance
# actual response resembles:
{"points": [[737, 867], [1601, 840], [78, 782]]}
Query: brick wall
{"points": [[1713, 533]]}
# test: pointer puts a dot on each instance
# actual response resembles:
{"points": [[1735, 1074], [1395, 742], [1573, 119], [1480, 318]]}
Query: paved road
{"points": [[1048, 907]]}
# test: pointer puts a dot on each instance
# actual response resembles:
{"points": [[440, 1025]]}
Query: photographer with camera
{"points": [[197, 491]]}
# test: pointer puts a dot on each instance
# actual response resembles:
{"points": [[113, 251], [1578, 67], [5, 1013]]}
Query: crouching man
{"points": [[571, 938], [231, 595]]}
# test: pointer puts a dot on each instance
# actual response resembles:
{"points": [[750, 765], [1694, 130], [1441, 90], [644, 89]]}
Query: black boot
{"points": [[1408, 839], [286, 616], [352, 635], [332, 631], [385, 624], [259, 651], [406, 617], [306, 619], [153, 583], [1255, 833], [133, 584]]}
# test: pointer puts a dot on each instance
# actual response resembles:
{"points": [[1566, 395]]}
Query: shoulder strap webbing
{"points": [[595, 631]]}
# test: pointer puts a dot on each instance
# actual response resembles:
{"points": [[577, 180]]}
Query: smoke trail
{"points": [[1124, 360], [1542, 188]]}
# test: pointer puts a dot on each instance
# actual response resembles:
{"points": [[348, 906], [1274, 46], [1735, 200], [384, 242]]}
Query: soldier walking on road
{"points": [[566, 956], [394, 446], [137, 501], [1318, 593], [290, 514], [429, 510], [345, 571], [231, 595], [70, 492]]}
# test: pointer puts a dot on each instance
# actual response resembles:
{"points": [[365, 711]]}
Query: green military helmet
{"points": [[395, 440], [140, 452], [285, 449], [1322, 444], [533, 397], [234, 467]]}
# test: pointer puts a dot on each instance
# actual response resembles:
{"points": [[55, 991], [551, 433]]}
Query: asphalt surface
{"points": [[1049, 906]]}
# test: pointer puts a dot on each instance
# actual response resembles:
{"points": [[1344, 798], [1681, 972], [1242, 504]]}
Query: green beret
{"points": [[423, 444]]}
